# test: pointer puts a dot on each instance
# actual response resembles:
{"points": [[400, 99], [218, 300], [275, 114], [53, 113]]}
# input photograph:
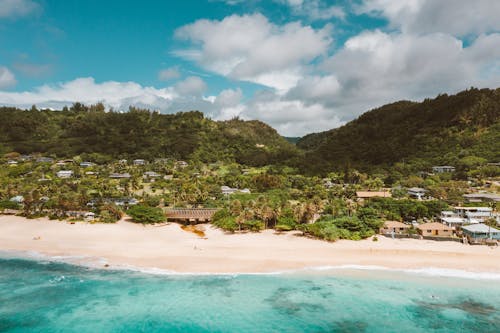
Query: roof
{"points": [[491, 196], [480, 228], [453, 220], [191, 213], [373, 194], [433, 226], [417, 189], [395, 224], [484, 209]]}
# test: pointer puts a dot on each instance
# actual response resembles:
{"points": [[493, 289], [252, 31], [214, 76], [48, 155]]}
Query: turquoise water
{"points": [[44, 296]]}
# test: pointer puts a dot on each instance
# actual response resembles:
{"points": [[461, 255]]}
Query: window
{"points": [[429, 230]]}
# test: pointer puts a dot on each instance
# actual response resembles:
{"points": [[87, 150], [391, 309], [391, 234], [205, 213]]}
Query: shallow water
{"points": [[45, 296]]}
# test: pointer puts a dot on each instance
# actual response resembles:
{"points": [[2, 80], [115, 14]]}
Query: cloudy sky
{"points": [[300, 65]]}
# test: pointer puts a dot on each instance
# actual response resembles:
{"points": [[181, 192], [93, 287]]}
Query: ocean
{"points": [[51, 296]]}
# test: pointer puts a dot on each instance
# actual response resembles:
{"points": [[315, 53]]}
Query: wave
{"points": [[102, 264]]}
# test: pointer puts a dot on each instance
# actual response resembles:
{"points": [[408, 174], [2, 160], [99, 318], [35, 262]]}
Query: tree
{"points": [[146, 215]]}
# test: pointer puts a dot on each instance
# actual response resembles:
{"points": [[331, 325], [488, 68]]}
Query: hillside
{"points": [[435, 131], [140, 133]]}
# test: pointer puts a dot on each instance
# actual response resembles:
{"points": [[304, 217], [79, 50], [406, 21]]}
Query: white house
{"points": [[139, 162], [115, 175], [443, 169], [226, 190], [64, 174], [417, 192], [482, 197], [474, 214], [86, 164]]}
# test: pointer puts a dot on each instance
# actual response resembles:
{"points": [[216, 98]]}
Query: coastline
{"points": [[169, 249]]}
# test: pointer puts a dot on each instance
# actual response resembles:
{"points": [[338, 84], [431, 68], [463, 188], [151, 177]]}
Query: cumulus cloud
{"points": [[456, 17], [251, 48], [169, 74], [315, 9], [375, 67], [7, 79], [191, 86], [17, 8], [114, 94]]}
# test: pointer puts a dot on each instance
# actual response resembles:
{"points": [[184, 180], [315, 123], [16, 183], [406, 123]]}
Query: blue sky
{"points": [[299, 65]]}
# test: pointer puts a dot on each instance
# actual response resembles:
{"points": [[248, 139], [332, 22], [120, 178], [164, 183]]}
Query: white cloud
{"points": [[315, 9], [191, 86], [17, 8], [7, 79], [169, 74], [457, 17], [118, 95], [251, 48], [375, 68]]}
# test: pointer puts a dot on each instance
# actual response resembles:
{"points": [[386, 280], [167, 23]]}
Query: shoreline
{"points": [[171, 250]]}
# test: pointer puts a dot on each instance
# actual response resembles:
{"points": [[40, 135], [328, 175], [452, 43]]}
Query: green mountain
{"points": [[140, 133], [443, 130]]}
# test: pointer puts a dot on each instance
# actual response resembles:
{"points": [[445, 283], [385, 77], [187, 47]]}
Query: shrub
{"points": [[146, 215]]}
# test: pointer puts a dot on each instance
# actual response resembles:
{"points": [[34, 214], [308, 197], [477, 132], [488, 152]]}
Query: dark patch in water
{"points": [[349, 326], [281, 301], [480, 317], [211, 286]]}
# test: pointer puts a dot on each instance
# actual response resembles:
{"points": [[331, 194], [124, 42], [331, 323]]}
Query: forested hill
{"points": [[443, 130], [140, 134]]}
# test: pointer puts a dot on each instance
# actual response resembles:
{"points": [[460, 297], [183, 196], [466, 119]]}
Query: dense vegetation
{"points": [[440, 131], [140, 134]]}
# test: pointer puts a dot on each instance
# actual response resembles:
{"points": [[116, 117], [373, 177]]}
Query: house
{"points": [[139, 162], [45, 160], [452, 218], [115, 175], [394, 227], [64, 162], [86, 164], [478, 232], [12, 162], [475, 214], [19, 199], [435, 229], [181, 164], [373, 194], [64, 174], [226, 190], [151, 174], [443, 169], [190, 215], [482, 197], [417, 192], [123, 201]]}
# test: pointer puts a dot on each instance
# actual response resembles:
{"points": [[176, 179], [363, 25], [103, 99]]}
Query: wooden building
{"points": [[435, 229], [190, 215], [394, 227]]}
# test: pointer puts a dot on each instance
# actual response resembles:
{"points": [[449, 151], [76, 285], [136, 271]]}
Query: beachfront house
{"points": [[452, 219], [477, 233], [417, 193], [435, 229], [64, 174], [394, 227], [481, 197], [19, 199], [443, 169], [190, 215], [475, 214], [139, 162]]}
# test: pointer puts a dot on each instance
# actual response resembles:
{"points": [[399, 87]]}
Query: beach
{"points": [[171, 248]]}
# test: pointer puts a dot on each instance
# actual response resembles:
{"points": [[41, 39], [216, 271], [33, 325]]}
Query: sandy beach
{"points": [[171, 248]]}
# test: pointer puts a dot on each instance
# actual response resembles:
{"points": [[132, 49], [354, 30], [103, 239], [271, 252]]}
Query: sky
{"points": [[301, 66]]}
